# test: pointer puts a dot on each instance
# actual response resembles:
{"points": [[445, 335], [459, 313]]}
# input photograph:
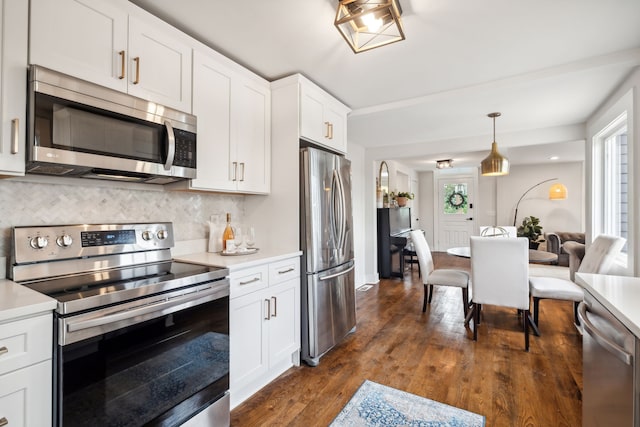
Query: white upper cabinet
{"points": [[113, 44], [323, 119], [14, 17], [234, 127]]}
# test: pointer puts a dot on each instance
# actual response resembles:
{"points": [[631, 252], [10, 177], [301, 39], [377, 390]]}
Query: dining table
{"points": [[535, 256]]}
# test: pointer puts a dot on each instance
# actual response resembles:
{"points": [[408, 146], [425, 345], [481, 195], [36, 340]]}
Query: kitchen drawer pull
{"points": [[288, 270], [122, 63], [330, 130], [4, 422], [137, 61], [598, 337], [268, 311], [255, 279], [275, 306], [235, 171], [242, 174], [3, 350], [327, 133], [15, 136]]}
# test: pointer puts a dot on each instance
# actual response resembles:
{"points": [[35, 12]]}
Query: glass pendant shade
{"points": [[367, 24], [557, 192]]}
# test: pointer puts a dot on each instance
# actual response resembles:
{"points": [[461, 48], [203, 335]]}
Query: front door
{"points": [[455, 211]]}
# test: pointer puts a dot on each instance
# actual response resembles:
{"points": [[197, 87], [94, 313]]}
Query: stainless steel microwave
{"points": [[79, 129]]}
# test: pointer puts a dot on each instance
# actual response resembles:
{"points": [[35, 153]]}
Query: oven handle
{"points": [[162, 307]]}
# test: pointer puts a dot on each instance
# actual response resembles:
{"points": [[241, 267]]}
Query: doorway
{"points": [[454, 205]]}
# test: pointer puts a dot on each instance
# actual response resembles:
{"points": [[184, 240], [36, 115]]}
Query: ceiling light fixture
{"points": [[495, 164], [444, 164], [367, 24]]}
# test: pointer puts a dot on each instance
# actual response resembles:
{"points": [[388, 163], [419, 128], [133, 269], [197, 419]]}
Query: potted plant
{"points": [[532, 230], [402, 197]]}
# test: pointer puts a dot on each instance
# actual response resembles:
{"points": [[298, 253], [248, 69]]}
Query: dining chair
{"points": [[441, 277], [499, 276], [598, 259]]}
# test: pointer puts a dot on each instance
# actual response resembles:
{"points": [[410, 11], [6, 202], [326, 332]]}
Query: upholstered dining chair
{"points": [[500, 276], [598, 259], [440, 277]]}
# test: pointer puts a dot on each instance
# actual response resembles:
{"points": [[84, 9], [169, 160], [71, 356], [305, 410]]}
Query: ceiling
{"points": [[545, 65]]}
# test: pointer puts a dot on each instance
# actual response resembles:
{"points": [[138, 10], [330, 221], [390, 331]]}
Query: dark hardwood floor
{"points": [[433, 355]]}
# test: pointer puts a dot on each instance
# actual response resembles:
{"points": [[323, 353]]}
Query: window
{"points": [[611, 179]]}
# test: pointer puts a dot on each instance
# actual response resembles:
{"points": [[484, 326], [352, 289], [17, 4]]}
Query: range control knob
{"points": [[147, 235], [162, 234], [39, 242], [64, 241]]}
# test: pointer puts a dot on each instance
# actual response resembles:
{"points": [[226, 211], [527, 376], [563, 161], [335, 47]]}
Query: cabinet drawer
{"points": [[249, 280], [284, 270], [25, 342], [25, 396]]}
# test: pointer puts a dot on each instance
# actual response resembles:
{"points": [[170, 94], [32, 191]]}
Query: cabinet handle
{"points": [[242, 172], [15, 136], [255, 279], [3, 422], [3, 350], [268, 309], [275, 306], [122, 63], [327, 125], [137, 61], [288, 270], [235, 171], [330, 130]]}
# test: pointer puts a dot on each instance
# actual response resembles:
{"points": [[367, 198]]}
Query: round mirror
{"points": [[383, 178]]}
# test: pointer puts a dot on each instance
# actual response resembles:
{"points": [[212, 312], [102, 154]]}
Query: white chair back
{"points": [[500, 271], [498, 231], [601, 254], [423, 252]]}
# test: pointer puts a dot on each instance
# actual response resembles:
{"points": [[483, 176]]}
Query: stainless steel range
{"points": [[141, 340]]}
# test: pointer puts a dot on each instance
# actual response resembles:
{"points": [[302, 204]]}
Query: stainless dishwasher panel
{"points": [[609, 368]]}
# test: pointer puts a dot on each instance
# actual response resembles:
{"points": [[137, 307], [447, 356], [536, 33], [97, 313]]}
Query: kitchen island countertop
{"points": [[619, 294], [234, 262], [18, 301]]}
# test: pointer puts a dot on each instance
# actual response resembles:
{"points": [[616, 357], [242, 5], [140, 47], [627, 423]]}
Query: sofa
{"points": [[556, 239]]}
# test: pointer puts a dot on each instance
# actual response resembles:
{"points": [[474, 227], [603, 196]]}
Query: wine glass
{"points": [[249, 237]]}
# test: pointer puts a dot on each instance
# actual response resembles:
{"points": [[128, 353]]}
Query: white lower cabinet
{"points": [[264, 325], [26, 372]]}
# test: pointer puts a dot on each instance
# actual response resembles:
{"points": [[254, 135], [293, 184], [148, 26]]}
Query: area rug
{"points": [[378, 405]]}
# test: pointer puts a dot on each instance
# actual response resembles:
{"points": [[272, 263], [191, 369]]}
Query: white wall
{"points": [[425, 200], [625, 97], [357, 154]]}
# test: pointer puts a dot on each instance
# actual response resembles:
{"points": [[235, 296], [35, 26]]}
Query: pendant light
{"points": [[495, 164]]}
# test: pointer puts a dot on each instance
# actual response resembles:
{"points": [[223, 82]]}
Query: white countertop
{"points": [[234, 262], [19, 301], [619, 294]]}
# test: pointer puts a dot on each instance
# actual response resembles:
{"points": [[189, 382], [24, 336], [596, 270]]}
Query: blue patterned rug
{"points": [[378, 405]]}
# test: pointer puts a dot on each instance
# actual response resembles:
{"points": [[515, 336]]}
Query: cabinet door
{"points": [[336, 119], [311, 114], [83, 38], [159, 64], [284, 321], [248, 339], [251, 115], [212, 106], [25, 396], [13, 25]]}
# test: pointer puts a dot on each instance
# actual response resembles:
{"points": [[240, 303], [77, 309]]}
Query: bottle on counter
{"points": [[228, 237]]}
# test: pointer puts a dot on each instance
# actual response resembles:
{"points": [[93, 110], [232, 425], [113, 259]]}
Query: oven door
{"points": [[160, 365]]}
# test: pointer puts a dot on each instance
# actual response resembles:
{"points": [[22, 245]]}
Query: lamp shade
{"points": [[557, 192], [495, 164], [366, 24]]}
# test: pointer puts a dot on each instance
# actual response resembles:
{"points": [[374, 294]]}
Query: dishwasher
{"points": [[610, 373]]}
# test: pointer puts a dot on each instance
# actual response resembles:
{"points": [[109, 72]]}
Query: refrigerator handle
{"points": [[340, 220], [342, 273], [598, 337]]}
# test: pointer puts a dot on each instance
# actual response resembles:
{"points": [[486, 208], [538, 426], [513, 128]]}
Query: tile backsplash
{"points": [[24, 202]]}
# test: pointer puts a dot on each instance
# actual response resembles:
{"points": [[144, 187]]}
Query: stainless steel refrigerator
{"points": [[326, 234]]}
